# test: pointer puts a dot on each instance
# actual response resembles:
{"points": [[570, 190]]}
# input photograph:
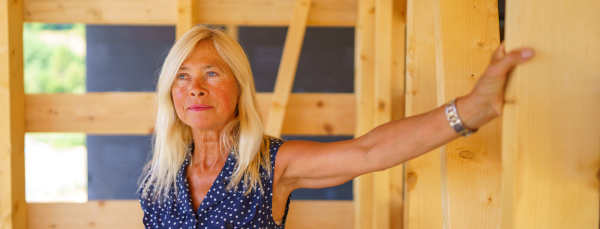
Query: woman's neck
{"points": [[209, 153]]}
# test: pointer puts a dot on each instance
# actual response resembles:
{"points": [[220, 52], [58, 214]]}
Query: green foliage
{"points": [[60, 140], [50, 66]]}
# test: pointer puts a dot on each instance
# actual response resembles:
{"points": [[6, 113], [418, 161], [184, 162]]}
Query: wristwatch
{"points": [[454, 119]]}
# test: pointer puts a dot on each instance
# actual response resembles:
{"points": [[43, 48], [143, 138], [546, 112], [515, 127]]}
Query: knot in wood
{"points": [[320, 103], [381, 105], [411, 180], [328, 128], [466, 154]]}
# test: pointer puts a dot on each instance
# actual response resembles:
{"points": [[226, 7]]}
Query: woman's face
{"points": [[205, 91]]}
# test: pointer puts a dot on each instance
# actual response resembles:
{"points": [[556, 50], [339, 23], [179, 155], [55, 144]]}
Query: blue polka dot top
{"points": [[220, 208]]}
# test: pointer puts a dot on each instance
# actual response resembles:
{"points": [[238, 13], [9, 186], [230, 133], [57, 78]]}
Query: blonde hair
{"points": [[172, 138]]}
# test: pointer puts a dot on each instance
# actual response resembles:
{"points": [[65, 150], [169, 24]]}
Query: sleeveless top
{"points": [[220, 208]]}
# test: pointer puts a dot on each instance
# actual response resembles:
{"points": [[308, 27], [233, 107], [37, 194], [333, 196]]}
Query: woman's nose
{"points": [[198, 89]]}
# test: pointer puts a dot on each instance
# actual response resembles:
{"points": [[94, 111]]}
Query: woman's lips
{"points": [[199, 107]]}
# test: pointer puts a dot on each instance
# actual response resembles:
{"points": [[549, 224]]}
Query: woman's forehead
{"points": [[204, 56]]}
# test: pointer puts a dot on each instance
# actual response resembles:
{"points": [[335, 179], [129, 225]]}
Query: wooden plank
{"points": [[287, 68], [466, 34], [382, 106], [233, 31], [422, 200], [12, 122], [164, 12], [93, 214], [551, 133], [398, 55], [115, 214], [364, 88], [114, 12], [132, 113], [320, 214], [186, 16]]}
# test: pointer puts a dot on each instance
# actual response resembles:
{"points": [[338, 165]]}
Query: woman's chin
{"points": [[204, 126]]}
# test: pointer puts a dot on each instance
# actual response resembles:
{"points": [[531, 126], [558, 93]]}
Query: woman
{"points": [[213, 167]]}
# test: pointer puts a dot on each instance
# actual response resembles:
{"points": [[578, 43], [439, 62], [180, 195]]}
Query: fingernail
{"points": [[526, 54]]}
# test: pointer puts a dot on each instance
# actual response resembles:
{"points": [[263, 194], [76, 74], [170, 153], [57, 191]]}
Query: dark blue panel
{"points": [[126, 58], [326, 61], [115, 164]]}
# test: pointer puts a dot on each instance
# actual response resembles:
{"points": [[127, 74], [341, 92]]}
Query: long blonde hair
{"points": [[172, 138]]}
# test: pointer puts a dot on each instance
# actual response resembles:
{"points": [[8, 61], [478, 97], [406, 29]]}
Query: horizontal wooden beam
{"points": [[117, 214], [132, 113], [164, 12]]}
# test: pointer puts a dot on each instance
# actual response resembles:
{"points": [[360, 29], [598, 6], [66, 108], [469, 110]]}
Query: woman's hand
{"points": [[485, 102]]}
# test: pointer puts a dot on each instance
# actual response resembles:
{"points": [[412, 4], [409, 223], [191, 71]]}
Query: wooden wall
{"points": [[535, 168], [551, 138], [467, 33], [422, 197]]}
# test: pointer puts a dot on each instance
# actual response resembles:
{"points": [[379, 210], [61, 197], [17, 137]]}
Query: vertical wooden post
{"points": [[287, 67], [551, 138], [233, 31], [186, 16], [13, 208], [467, 33], [364, 61], [422, 202], [364, 90], [398, 104], [382, 105]]}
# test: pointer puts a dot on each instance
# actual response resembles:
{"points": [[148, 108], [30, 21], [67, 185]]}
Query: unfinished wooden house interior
{"points": [[535, 167]]}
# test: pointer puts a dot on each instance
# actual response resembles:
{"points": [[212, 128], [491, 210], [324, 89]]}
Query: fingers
{"points": [[510, 60], [499, 53]]}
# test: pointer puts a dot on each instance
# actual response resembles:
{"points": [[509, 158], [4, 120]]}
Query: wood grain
{"points": [[467, 32], [382, 106], [551, 138], [116, 214], [133, 113], [422, 197], [164, 12], [364, 88], [287, 68], [12, 122], [186, 16], [398, 57]]}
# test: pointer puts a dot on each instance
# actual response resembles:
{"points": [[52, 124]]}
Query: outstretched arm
{"points": [[303, 164]]}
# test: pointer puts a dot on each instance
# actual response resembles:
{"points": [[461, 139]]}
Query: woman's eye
{"points": [[211, 73], [181, 77]]}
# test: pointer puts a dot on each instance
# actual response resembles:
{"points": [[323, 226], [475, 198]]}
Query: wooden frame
{"points": [[13, 208], [287, 68], [422, 199], [575, 190], [165, 12], [550, 143], [112, 113], [473, 161]]}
